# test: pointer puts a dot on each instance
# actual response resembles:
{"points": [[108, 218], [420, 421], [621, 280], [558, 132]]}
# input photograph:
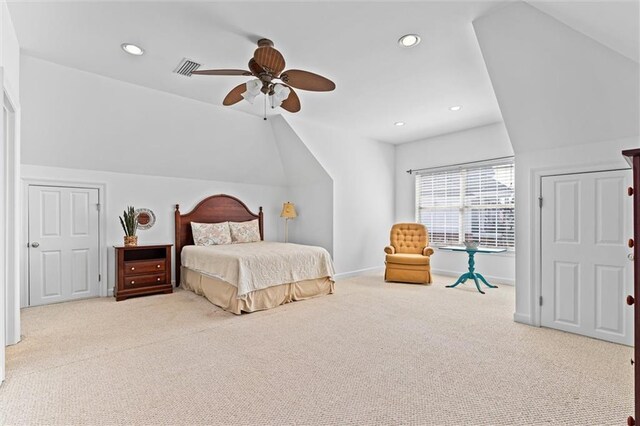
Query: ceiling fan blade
{"points": [[235, 95], [222, 72], [269, 59], [292, 103], [306, 80]]}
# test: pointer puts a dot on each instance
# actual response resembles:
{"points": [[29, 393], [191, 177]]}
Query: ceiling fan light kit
{"points": [[254, 88], [279, 94], [267, 65]]}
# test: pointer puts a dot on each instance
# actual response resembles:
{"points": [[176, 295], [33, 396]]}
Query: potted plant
{"points": [[129, 223]]}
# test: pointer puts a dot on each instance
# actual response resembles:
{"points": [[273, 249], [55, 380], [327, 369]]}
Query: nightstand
{"points": [[142, 270]]}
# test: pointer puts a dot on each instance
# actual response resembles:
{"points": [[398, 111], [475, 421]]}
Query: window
{"points": [[473, 202]]}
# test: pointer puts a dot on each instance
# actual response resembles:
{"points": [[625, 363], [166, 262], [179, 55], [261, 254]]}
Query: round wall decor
{"points": [[146, 218]]}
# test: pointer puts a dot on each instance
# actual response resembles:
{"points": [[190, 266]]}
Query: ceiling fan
{"points": [[267, 65]]}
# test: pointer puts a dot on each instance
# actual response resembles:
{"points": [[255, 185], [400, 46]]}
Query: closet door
{"points": [[63, 244], [586, 272]]}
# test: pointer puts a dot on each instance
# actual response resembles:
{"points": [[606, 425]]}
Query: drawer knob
{"points": [[630, 300], [133, 282], [630, 191], [158, 266], [158, 279], [630, 243], [133, 268]]}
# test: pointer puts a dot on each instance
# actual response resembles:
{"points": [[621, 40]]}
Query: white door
{"points": [[586, 274], [63, 244]]}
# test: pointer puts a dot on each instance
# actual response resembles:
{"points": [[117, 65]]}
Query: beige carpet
{"points": [[373, 353]]}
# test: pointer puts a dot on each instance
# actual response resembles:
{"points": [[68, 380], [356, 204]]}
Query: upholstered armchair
{"points": [[407, 258]]}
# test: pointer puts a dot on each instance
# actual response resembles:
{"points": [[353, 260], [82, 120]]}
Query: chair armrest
{"points": [[427, 251], [390, 250]]}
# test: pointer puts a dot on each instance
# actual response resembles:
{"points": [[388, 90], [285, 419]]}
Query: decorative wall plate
{"points": [[146, 218]]}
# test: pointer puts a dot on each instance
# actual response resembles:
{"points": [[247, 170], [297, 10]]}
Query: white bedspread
{"points": [[254, 266]]}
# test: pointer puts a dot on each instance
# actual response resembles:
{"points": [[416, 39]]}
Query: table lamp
{"points": [[288, 212]]}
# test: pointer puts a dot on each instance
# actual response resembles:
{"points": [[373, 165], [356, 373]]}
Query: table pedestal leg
{"points": [[485, 281], [472, 275], [461, 280]]}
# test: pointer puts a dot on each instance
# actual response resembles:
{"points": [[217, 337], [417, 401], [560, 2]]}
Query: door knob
{"points": [[630, 300], [35, 245], [630, 256]]}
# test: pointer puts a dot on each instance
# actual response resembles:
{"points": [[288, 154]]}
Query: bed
{"points": [[246, 277]]}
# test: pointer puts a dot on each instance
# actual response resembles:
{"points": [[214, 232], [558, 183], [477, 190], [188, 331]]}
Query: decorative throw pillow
{"points": [[245, 232], [211, 234]]}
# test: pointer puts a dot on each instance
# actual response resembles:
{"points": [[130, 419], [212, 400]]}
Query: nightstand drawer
{"points": [[144, 280], [144, 267]]}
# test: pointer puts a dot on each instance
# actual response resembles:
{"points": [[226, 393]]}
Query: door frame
{"points": [[10, 297], [536, 231], [102, 230]]}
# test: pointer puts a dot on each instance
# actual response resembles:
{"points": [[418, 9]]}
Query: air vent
{"points": [[186, 67]]}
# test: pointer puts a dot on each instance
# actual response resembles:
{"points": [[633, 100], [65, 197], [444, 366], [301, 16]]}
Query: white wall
{"points": [[554, 85], [569, 104], [480, 143], [105, 124], [161, 194], [363, 192], [310, 188], [10, 151], [9, 50]]}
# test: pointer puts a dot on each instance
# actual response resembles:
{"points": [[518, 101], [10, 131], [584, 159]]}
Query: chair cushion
{"points": [[407, 259]]}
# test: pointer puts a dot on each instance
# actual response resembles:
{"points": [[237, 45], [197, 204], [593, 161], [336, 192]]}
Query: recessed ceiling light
{"points": [[132, 49], [409, 40], [455, 108], [399, 123]]}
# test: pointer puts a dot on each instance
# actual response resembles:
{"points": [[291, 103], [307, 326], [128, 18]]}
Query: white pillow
{"points": [[245, 232], [211, 234]]}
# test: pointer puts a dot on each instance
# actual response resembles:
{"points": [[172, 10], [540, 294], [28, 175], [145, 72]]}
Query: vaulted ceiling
{"points": [[353, 43]]}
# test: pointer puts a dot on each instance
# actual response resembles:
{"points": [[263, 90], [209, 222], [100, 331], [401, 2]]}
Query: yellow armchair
{"points": [[407, 258]]}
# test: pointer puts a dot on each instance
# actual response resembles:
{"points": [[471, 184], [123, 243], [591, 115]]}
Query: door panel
{"points": [[63, 237], [567, 221], [567, 293], [610, 202], [609, 299], [79, 213], [49, 214], [585, 270], [51, 275], [80, 267]]}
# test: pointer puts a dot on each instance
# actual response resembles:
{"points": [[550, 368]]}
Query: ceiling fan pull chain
{"points": [[265, 107]]}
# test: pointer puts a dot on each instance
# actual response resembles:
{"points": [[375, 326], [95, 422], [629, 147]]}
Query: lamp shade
{"points": [[288, 211], [253, 90], [279, 95]]}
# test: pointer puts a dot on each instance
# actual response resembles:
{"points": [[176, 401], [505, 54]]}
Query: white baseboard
{"points": [[491, 278], [521, 318], [351, 274]]}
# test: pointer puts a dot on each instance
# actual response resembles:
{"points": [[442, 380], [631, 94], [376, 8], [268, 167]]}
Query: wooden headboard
{"points": [[214, 209]]}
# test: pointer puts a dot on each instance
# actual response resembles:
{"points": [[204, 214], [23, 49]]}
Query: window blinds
{"points": [[473, 202]]}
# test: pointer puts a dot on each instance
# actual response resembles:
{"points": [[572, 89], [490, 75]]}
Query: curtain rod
{"points": [[451, 166]]}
